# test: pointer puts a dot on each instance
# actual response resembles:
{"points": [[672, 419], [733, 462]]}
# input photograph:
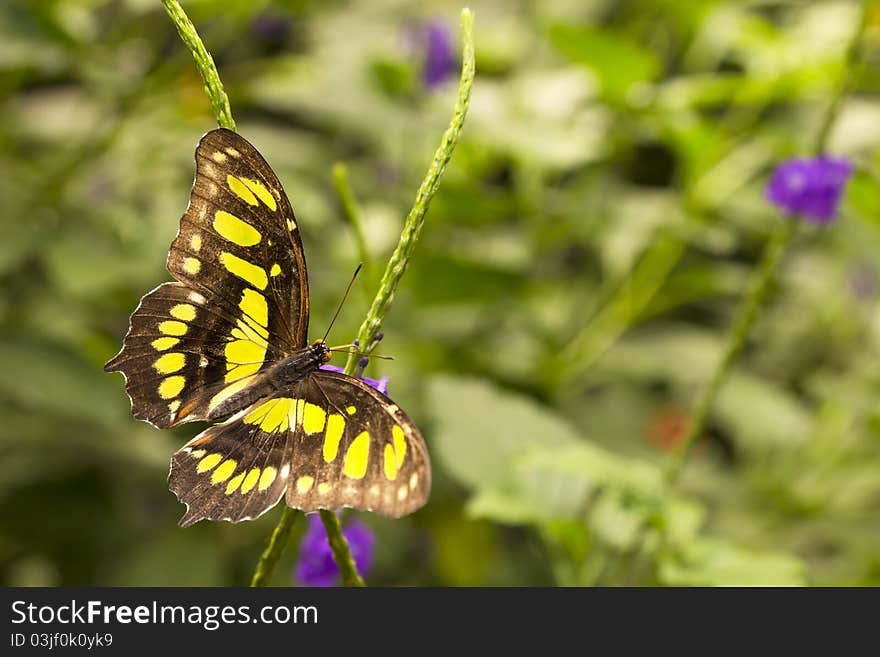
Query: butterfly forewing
{"points": [[238, 241], [244, 287], [334, 441]]}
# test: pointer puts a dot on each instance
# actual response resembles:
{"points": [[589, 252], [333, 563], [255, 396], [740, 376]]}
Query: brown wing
{"points": [[239, 233], [242, 302], [181, 355], [333, 442], [232, 471], [354, 447]]}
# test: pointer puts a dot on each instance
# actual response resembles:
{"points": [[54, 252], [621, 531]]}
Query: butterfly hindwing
{"points": [[354, 447], [231, 471], [334, 441]]}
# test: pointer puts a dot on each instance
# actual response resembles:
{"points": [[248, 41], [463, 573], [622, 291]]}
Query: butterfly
{"points": [[228, 339]]}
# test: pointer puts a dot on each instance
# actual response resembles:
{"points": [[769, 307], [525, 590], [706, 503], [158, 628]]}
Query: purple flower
{"points": [[379, 384], [439, 59], [809, 187], [316, 566]]}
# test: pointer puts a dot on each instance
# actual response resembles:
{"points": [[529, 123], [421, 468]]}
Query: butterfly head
{"points": [[322, 351]]}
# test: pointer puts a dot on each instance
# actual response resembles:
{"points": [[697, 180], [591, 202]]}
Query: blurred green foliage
{"points": [[571, 291]]}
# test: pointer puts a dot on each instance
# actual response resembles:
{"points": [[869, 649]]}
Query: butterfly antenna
{"points": [[347, 349], [341, 303]]}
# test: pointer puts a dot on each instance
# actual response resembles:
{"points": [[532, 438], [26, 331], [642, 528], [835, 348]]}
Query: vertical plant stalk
{"points": [[736, 338], [384, 296], [396, 266], [352, 213], [341, 552], [277, 542], [204, 62], [770, 260]]}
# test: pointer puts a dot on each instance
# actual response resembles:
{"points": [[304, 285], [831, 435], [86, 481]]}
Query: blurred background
{"points": [[579, 267]]}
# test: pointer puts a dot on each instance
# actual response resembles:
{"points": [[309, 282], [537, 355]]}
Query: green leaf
{"points": [[617, 61], [713, 562], [479, 428], [49, 380]]}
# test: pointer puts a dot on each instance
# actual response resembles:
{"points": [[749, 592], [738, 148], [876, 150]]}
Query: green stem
{"points": [[735, 340], [204, 62], [341, 552], [352, 212], [416, 217], [273, 551], [773, 253]]}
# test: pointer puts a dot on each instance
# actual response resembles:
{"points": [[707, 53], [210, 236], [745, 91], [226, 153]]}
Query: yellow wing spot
{"points": [[291, 225], [173, 406], [192, 266], [169, 363], [208, 462], [224, 471], [414, 480], [399, 444], [163, 344], [390, 462], [241, 190], [171, 387], [246, 271], [199, 453], [268, 476], [245, 353], [184, 311], [254, 305], [244, 358], [272, 416], [351, 410], [228, 392], [402, 492], [233, 229], [276, 269], [234, 153], [173, 328], [313, 419], [324, 488], [335, 428], [234, 483], [357, 457], [304, 484], [218, 157], [250, 481], [195, 242], [262, 193]]}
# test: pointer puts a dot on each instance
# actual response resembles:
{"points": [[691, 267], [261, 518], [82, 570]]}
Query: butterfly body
{"points": [[276, 378], [229, 337]]}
